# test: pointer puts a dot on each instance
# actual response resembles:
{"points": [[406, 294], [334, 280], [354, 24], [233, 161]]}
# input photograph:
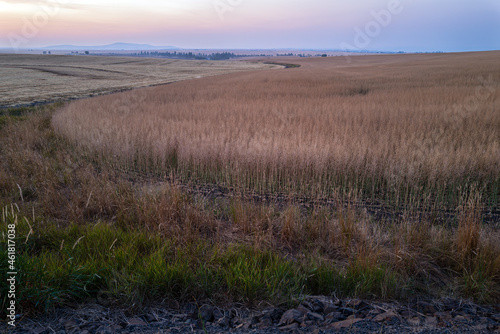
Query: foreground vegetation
{"points": [[85, 229]]}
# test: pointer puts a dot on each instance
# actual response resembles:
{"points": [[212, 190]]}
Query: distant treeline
{"points": [[191, 55], [208, 56]]}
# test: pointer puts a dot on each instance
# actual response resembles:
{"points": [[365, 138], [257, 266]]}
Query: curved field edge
{"points": [[409, 131], [85, 231]]}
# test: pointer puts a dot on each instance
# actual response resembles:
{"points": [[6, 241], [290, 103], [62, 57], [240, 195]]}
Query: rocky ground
{"points": [[313, 315]]}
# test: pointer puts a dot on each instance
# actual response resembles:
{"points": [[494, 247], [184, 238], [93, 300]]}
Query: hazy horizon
{"points": [[384, 25]]}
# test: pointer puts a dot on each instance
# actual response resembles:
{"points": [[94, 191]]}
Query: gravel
{"points": [[315, 315]]}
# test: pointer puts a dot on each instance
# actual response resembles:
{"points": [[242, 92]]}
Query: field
{"points": [[261, 186], [30, 79], [411, 131]]}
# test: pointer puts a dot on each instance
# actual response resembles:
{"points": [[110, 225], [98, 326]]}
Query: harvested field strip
{"points": [[32, 79]]}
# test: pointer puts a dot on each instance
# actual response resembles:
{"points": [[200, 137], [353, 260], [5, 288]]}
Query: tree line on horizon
{"points": [[192, 55]]}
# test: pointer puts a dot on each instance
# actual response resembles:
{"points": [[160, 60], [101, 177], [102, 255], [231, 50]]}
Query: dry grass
{"points": [[34, 78], [412, 130], [146, 241]]}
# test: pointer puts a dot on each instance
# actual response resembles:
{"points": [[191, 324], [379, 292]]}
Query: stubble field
{"points": [[31, 79], [141, 197]]}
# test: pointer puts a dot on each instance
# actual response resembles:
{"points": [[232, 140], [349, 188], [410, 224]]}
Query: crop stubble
{"points": [[31, 79]]}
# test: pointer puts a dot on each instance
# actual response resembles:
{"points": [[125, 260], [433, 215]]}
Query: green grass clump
{"points": [[252, 273], [16, 111], [62, 265]]}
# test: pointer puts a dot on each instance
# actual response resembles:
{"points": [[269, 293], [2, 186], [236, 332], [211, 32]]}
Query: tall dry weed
{"points": [[468, 238]]}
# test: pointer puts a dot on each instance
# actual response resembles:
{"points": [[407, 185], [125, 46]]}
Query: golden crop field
{"points": [[411, 129], [28, 79], [369, 177]]}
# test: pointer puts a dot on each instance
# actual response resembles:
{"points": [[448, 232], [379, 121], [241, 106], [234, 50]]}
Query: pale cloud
{"points": [[40, 3]]}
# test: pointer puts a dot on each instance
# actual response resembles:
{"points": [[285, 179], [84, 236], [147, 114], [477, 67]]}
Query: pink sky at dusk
{"points": [[424, 25]]}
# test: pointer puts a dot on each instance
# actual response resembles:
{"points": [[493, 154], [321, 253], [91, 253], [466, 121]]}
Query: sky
{"points": [[382, 25]]}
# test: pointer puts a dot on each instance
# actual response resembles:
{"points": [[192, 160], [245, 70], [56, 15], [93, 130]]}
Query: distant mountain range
{"points": [[111, 47]]}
